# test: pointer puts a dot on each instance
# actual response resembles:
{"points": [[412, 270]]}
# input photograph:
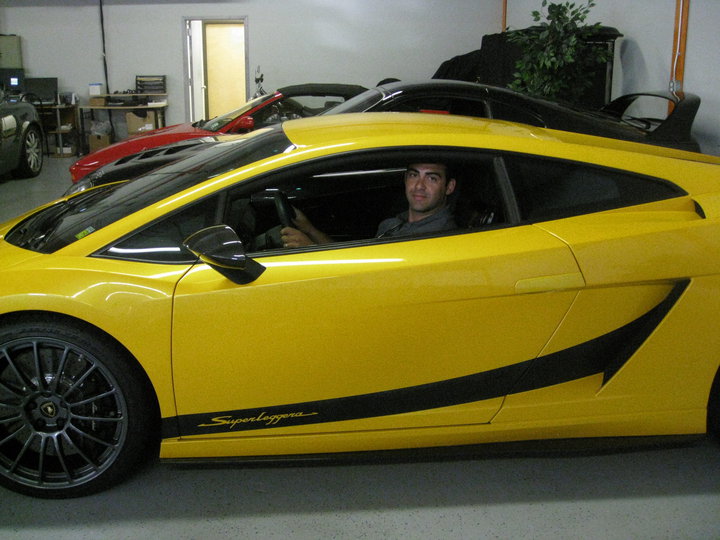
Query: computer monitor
{"points": [[12, 80], [43, 89]]}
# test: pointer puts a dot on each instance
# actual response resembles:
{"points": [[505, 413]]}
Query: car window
{"points": [[439, 104], [217, 123], [279, 111], [61, 224], [360, 103], [511, 113], [548, 189], [346, 198], [293, 108], [162, 241]]}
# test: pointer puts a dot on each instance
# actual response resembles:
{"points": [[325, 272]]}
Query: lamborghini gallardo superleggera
{"points": [[575, 297]]}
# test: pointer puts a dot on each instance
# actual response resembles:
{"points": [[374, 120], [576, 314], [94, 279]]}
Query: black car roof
{"points": [[322, 89]]}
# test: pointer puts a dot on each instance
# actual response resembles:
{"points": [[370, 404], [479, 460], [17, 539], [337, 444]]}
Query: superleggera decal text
{"points": [[268, 420]]}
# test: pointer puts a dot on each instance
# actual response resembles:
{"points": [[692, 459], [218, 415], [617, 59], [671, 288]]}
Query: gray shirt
{"points": [[399, 226]]}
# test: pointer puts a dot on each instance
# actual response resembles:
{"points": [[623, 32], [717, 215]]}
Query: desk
{"points": [[158, 108]]}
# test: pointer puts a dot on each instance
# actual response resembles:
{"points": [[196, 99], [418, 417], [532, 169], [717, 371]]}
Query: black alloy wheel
{"points": [[75, 416]]}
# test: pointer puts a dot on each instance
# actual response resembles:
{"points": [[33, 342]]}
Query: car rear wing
{"points": [[674, 128]]}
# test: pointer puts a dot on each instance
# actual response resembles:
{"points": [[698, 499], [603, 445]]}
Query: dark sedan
{"points": [[615, 120], [21, 141]]}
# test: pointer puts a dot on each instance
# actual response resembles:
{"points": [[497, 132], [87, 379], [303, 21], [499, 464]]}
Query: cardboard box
{"points": [[97, 101], [96, 142], [139, 124]]}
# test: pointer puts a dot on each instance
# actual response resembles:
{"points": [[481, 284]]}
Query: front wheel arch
{"points": [[27, 340]]}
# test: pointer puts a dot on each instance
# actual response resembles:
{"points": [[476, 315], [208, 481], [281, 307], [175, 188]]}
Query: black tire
{"points": [[714, 407], [76, 413], [31, 154]]}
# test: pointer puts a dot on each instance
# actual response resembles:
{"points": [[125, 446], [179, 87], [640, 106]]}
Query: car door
{"points": [[382, 335], [8, 124]]}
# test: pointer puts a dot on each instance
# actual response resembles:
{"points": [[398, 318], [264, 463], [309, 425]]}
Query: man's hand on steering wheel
{"points": [[303, 234], [292, 238]]}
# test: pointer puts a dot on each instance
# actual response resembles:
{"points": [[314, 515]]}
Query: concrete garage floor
{"points": [[666, 493]]}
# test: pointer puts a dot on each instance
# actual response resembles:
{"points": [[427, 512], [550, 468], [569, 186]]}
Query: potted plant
{"points": [[560, 55]]}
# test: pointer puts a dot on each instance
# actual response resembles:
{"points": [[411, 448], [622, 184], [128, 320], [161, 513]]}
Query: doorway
{"points": [[216, 71]]}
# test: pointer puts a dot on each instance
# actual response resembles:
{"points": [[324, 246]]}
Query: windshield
{"points": [[360, 103], [223, 120], [70, 220]]}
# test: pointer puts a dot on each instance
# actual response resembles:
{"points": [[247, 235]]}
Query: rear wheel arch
{"points": [[714, 406]]}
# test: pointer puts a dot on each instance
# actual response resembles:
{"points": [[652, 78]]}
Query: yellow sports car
{"points": [[360, 283]]}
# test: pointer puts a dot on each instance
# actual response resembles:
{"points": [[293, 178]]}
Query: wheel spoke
{"points": [[97, 418], [79, 381], [89, 400], [61, 454], [60, 370], [38, 368], [11, 419], [18, 373], [41, 459], [22, 452], [92, 438], [80, 453], [11, 436], [9, 390]]}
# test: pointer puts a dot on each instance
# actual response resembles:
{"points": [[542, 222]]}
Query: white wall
{"points": [[645, 53], [294, 41], [353, 41], [702, 71]]}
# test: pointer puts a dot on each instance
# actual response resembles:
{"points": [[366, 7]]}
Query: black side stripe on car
{"points": [[605, 354]]}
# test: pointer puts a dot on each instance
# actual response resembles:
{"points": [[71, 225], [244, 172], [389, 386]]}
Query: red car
{"points": [[286, 103]]}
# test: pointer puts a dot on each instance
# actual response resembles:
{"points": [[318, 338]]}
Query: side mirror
{"points": [[221, 248], [244, 123]]}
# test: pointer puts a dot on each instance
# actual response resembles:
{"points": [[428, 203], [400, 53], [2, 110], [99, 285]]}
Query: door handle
{"points": [[555, 282]]}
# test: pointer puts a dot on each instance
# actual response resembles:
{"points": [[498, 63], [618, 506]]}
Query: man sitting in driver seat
{"points": [[427, 187]]}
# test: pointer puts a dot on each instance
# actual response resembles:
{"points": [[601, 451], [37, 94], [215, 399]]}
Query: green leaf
{"points": [[556, 57]]}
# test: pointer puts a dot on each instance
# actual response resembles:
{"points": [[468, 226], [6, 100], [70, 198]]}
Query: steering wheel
{"points": [[285, 211]]}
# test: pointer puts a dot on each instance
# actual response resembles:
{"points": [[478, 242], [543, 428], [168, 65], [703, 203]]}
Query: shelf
{"points": [[129, 107], [126, 95], [60, 124]]}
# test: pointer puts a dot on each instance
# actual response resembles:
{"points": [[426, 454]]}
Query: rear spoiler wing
{"points": [[677, 125]]}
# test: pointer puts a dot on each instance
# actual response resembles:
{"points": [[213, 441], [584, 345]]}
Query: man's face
{"points": [[426, 189]]}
